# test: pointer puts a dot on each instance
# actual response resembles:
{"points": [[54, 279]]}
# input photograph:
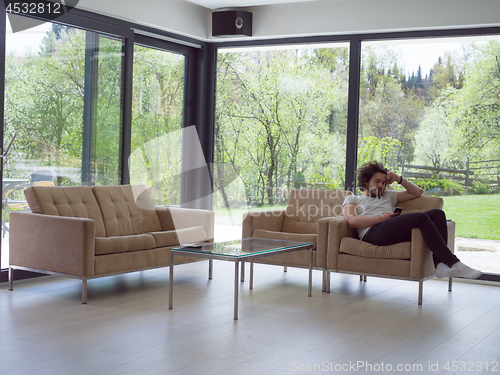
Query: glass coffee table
{"points": [[238, 251]]}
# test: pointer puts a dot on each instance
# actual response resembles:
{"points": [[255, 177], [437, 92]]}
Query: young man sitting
{"points": [[372, 215]]}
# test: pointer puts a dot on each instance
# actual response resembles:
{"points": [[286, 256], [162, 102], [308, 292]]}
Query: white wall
{"points": [[367, 16], [178, 16], [322, 17]]}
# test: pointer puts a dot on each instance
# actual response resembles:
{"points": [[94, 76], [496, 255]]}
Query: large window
{"points": [[280, 124], [429, 111]]}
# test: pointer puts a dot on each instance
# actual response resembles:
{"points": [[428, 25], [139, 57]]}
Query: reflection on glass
{"points": [[429, 111], [157, 112], [107, 113], [243, 247]]}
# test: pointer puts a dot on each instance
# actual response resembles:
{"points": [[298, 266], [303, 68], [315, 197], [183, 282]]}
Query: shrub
{"points": [[446, 187], [481, 187]]}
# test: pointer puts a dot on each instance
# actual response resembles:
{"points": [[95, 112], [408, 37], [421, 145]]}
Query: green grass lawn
{"points": [[476, 216]]}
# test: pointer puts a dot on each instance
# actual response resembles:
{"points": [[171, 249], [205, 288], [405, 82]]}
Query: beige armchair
{"points": [[305, 219], [407, 260]]}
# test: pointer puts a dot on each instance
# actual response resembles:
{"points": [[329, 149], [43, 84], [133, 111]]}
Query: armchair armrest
{"points": [[52, 243], [450, 225], [337, 229], [322, 246], [422, 265], [269, 220], [173, 218]]}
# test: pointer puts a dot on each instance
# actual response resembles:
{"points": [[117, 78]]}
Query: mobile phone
{"points": [[397, 210]]}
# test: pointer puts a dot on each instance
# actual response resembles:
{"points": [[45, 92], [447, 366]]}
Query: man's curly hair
{"points": [[366, 172]]}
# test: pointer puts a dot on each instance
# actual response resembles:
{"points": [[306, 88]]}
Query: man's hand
{"points": [[387, 216], [391, 177]]}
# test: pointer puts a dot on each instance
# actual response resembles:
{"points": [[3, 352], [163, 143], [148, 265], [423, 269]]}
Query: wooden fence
{"points": [[487, 171]]}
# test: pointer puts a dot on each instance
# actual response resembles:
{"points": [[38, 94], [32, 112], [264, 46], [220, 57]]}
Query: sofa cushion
{"points": [[180, 236], [122, 244], [71, 201], [126, 210], [353, 246], [299, 237], [305, 207]]}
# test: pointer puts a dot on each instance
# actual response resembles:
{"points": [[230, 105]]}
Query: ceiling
{"points": [[219, 4]]}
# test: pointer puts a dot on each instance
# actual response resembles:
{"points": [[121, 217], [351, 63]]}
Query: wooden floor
{"points": [[361, 328]]}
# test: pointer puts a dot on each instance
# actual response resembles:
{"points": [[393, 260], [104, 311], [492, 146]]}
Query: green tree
{"points": [[386, 110], [448, 74], [44, 100], [432, 139], [272, 117], [157, 112], [474, 111]]}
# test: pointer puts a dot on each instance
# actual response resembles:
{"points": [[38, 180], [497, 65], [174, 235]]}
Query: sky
{"points": [[21, 42]]}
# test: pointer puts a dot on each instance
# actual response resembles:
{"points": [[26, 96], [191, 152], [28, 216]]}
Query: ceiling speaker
{"points": [[231, 23]]}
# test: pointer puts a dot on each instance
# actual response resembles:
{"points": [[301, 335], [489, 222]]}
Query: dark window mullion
{"points": [[90, 97], [126, 136], [353, 114]]}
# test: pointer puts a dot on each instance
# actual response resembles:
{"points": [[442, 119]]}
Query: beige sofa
{"points": [[305, 219], [407, 260], [88, 232]]}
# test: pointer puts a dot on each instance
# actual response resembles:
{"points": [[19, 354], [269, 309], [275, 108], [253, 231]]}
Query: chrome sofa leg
{"points": [[324, 281], [328, 281], [84, 291], [420, 291], [285, 269], [11, 278], [450, 282]]}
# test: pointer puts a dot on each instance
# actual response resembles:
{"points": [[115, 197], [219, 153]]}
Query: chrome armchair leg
{"points": [[420, 291], [450, 282], [285, 269]]}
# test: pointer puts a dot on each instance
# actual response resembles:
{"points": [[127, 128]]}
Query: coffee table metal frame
{"points": [[237, 259]]}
